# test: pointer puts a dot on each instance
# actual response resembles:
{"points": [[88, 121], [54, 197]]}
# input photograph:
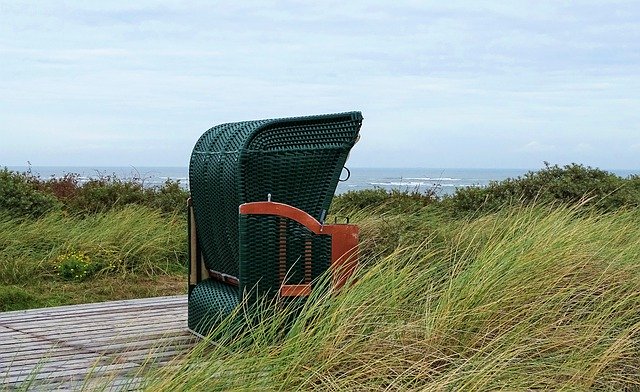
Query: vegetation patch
{"points": [[13, 297], [58, 251], [76, 266], [570, 184], [528, 298], [19, 197], [25, 194], [527, 284]]}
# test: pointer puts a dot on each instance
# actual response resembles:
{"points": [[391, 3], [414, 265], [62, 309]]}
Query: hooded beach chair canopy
{"points": [[295, 162]]}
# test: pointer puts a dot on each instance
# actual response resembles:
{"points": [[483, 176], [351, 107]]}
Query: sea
{"points": [[442, 181]]}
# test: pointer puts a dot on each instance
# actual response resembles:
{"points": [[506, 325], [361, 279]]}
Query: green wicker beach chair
{"points": [[259, 195]]}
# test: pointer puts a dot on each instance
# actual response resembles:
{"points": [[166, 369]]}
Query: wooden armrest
{"points": [[295, 290], [344, 242]]}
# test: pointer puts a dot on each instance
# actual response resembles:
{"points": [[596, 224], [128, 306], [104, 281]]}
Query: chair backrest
{"points": [[297, 161]]}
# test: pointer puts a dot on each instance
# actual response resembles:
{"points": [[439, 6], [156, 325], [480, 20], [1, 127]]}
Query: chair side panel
{"points": [[275, 251]]}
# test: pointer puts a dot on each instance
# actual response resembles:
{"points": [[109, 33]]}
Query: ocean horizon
{"points": [[441, 180]]}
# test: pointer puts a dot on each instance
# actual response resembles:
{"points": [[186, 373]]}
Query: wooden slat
{"points": [[91, 324], [105, 343], [127, 306], [34, 356]]}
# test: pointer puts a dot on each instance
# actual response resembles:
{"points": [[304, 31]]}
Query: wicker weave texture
{"points": [[296, 160], [209, 303], [276, 250]]}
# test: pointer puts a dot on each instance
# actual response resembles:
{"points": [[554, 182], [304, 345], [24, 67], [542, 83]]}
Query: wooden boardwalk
{"points": [[92, 345]]}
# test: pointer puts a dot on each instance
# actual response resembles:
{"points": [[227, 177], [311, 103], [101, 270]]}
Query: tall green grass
{"points": [[58, 247], [489, 289], [528, 298], [64, 241], [133, 238]]}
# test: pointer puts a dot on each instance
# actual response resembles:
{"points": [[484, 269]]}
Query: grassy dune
{"points": [[134, 251], [527, 284], [528, 298]]}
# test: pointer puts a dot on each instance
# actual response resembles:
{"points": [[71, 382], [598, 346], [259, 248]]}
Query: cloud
{"points": [[584, 148], [536, 146], [465, 73]]}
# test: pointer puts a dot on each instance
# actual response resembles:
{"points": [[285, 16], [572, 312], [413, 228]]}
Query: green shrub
{"points": [[169, 198], [396, 200], [20, 197], [570, 184], [131, 240], [105, 193], [24, 194]]}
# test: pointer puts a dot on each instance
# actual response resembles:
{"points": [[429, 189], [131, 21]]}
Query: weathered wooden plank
{"points": [[80, 317], [90, 308], [89, 362], [9, 355], [113, 348], [152, 301], [37, 316], [52, 330], [13, 336], [4, 330], [21, 362], [70, 347], [87, 311], [100, 346], [99, 343], [80, 339], [121, 319], [118, 321], [36, 355], [77, 371], [62, 333], [101, 383], [82, 365], [109, 348], [95, 308], [63, 357], [98, 313], [68, 374], [129, 340]]}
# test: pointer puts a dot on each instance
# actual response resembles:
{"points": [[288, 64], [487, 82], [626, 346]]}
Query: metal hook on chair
{"points": [[348, 174]]}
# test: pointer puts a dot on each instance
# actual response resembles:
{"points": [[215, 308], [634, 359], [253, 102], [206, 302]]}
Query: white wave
{"points": [[400, 183], [433, 179]]}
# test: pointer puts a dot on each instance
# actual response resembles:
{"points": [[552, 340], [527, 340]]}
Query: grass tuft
{"points": [[134, 242], [528, 298]]}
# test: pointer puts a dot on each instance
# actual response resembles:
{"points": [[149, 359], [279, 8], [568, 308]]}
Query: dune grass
{"points": [[528, 298], [507, 295], [134, 251]]}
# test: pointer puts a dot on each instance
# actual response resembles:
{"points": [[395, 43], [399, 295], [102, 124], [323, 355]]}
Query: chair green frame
{"points": [[293, 161]]}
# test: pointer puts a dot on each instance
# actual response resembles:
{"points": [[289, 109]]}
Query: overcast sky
{"points": [[497, 84]]}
